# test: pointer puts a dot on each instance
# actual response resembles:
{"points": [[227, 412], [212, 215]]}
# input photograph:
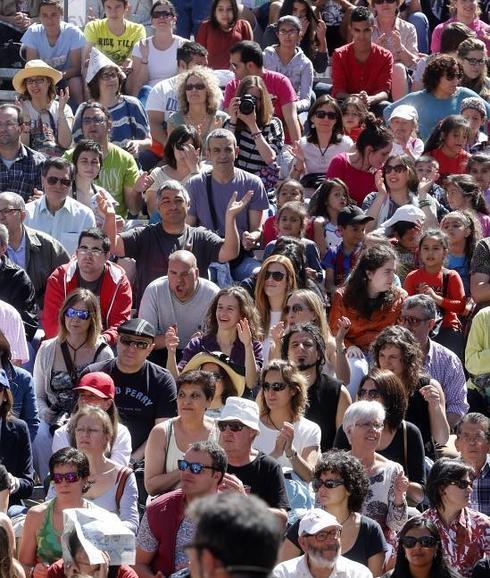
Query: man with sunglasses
{"points": [[165, 527], [55, 212], [145, 392], [319, 537], [419, 316], [91, 269], [249, 470]]}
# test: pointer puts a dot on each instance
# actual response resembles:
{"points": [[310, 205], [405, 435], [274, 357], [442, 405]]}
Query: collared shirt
{"points": [[445, 367], [298, 568], [18, 256], [408, 37], [65, 225], [23, 174], [465, 541], [480, 497]]}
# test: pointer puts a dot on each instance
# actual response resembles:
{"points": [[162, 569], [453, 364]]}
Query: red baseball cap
{"points": [[98, 383]]}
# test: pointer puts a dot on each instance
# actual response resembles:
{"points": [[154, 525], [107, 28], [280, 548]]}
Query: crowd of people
{"points": [[245, 251]]}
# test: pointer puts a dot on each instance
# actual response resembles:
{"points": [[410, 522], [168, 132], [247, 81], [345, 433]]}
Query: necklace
{"points": [[75, 350], [324, 151], [342, 523], [275, 426]]}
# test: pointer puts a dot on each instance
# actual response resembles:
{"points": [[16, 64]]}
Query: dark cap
{"points": [[352, 215], [137, 327]]}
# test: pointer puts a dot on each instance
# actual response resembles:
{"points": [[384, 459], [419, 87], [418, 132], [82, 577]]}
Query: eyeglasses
{"points": [[454, 75], [276, 275], [475, 61], [288, 32], [296, 308], [326, 114], [462, 484], [100, 119], [397, 168], [9, 124], [108, 75], [7, 212], [370, 425], [87, 251], [325, 535], [133, 343], [70, 477], [330, 484], [369, 393], [56, 180], [233, 425], [193, 467], [89, 430], [476, 438], [415, 321], [82, 314], [276, 386], [424, 541], [197, 86], [36, 80], [161, 14]]}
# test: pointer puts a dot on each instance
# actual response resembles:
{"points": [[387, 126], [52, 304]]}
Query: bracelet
{"points": [[256, 134], [424, 203], [292, 455]]}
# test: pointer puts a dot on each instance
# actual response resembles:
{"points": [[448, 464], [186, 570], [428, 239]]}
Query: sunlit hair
{"points": [[338, 127], [435, 234], [318, 205], [298, 209], [296, 382], [180, 136], [246, 308], [207, 77], [470, 222], [94, 412], [292, 183], [443, 472], [406, 161], [480, 84], [362, 410], [264, 110], [453, 8], [375, 134], [470, 189], [91, 302], [437, 67], [358, 104], [261, 299], [51, 89], [313, 332], [445, 126]]}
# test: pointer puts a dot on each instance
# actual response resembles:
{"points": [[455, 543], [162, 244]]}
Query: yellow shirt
{"points": [[117, 48]]}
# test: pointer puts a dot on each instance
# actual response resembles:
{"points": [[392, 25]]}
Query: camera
{"points": [[247, 104]]}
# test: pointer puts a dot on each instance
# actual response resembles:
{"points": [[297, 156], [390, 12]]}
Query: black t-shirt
{"points": [[141, 397], [323, 399], [264, 477]]}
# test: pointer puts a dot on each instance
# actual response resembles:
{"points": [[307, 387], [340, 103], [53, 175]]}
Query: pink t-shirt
{"points": [[480, 28], [359, 183]]}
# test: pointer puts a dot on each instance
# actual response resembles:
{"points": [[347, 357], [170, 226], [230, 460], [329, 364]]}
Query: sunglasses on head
{"points": [[462, 484], [397, 168], [82, 314], [330, 484], [55, 180], [276, 275], [133, 343], [276, 386], [424, 541], [233, 425], [196, 86], [70, 477], [326, 114], [193, 467]]}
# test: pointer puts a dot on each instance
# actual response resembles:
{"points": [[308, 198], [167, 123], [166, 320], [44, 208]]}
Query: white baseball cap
{"points": [[243, 410], [316, 520], [405, 111], [409, 213]]}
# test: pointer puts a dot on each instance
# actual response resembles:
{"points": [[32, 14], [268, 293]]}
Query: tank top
{"points": [[418, 414], [323, 399]]}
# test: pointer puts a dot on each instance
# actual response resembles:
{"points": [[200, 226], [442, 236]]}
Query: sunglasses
{"points": [[462, 484], [454, 75], [326, 114], [379, 2], [424, 541], [161, 14], [397, 168], [197, 86], [476, 61], [369, 393], [276, 386], [193, 467], [82, 314], [56, 180], [276, 275], [233, 425], [415, 321], [133, 343], [296, 308], [330, 484], [70, 477], [325, 535]]}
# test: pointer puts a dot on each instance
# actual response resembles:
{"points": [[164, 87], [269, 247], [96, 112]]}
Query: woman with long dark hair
{"points": [[472, 54]]}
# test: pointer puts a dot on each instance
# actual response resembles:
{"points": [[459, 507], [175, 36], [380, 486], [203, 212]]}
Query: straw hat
{"points": [[218, 358], [35, 68]]}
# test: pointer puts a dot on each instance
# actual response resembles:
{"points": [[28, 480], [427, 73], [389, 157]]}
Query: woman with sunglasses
{"points": [[398, 184], [59, 363], [169, 440], [472, 54], [40, 543], [325, 139], [420, 553], [285, 434], [341, 487], [464, 532], [400, 440]]}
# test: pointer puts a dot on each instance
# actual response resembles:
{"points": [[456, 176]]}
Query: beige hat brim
{"points": [[200, 359], [18, 79]]}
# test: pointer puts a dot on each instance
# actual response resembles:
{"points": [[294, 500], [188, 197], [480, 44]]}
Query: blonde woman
{"points": [[467, 12]]}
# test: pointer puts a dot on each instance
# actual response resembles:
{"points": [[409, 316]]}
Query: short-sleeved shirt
{"points": [[117, 48], [57, 56], [163, 97], [161, 63], [220, 195], [141, 397]]}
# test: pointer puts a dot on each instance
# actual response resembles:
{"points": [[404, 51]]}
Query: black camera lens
{"points": [[247, 104]]}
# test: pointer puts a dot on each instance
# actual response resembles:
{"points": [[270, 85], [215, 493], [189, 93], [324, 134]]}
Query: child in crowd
{"points": [[354, 113], [447, 144], [479, 168], [403, 122], [443, 285], [463, 193], [427, 167], [340, 259], [474, 111], [329, 199], [288, 190], [463, 233]]}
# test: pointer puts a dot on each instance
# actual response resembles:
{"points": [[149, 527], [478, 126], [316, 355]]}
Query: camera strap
{"points": [[212, 208]]}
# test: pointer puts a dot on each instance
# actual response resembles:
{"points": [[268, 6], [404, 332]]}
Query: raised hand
{"points": [[63, 97], [235, 207], [343, 326], [400, 487], [171, 338], [243, 332]]}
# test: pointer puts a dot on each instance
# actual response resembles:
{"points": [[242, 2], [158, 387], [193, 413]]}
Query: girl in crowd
{"points": [[324, 140], [479, 168], [341, 487], [329, 199], [223, 29], [354, 114], [356, 169], [287, 191], [472, 54], [10, 567], [463, 193]]}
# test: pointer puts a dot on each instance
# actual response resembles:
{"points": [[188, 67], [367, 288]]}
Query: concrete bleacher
{"points": [[7, 95]]}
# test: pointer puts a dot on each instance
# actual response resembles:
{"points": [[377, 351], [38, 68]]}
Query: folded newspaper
{"points": [[98, 531]]}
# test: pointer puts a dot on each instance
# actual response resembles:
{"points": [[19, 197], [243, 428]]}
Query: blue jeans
{"points": [[190, 14], [419, 20]]}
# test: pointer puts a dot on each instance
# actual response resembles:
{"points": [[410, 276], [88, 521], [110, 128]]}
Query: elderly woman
{"points": [[386, 502], [441, 97], [464, 532], [199, 97], [341, 487]]}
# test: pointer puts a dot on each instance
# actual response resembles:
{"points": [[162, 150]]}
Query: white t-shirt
{"points": [[163, 97], [315, 161], [162, 64]]}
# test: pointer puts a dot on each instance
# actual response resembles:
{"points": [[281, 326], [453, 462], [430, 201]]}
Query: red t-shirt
{"points": [[450, 165], [359, 183], [269, 230], [218, 42]]}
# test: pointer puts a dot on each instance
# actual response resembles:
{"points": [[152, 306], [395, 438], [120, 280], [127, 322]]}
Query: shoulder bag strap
{"points": [[212, 209], [68, 360], [405, 446], [122, 477]]}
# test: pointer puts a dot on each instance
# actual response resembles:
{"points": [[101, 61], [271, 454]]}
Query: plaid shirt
{"points": [[480, 498], [24, 174]]}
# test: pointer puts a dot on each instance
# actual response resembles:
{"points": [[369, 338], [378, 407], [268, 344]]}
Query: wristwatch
{"points": [[292, 455]]}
